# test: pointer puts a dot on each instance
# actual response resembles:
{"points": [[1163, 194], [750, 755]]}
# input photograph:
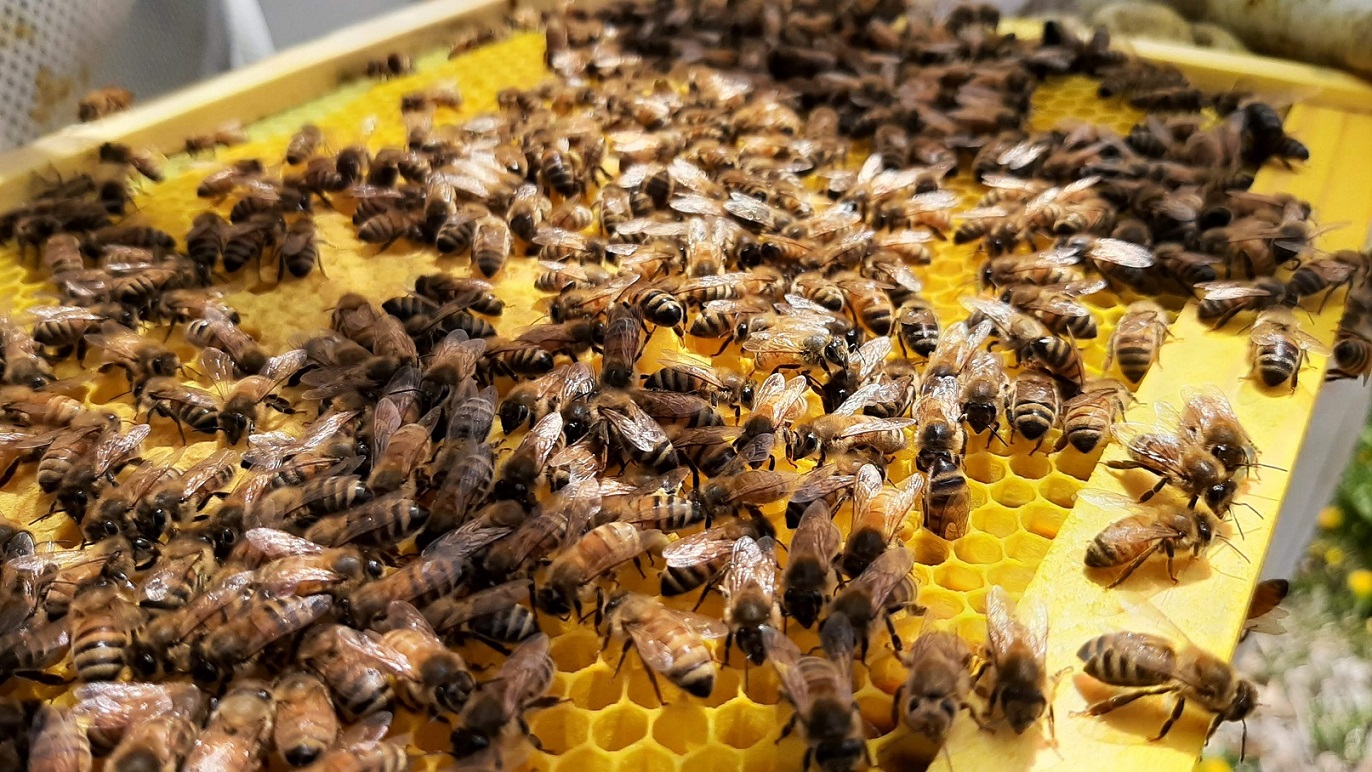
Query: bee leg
{"points": [[1178, 706], [1134, 565], [895, 704], [1124, 698], [787, 729], [725, 347], [891, 628], [1162, 482], [728, 644]]}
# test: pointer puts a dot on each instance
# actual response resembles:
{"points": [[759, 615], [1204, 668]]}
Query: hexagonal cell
{"points": [[1031, 466], [958, 576], [1014, 577], [972, 628], [1028, 547], [1080, 465], [876, 710], [940, 602], [619, 726], [595, 688], [681, 726], [1060, 489], [1012, 492], [711, 758], [1043, 518], [645, 758], [886, 673], [574, 651], [560, 728], [762, 685], [984, 468], [997, 521], [740, 724], [584, 757], [929, 550], [978, 548]]}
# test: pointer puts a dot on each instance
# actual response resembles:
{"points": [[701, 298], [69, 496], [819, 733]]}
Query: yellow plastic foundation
{"points": [[1025, 534]]}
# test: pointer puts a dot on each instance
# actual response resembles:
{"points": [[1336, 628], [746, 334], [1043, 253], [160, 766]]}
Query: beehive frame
{"points": [[740, 730]]}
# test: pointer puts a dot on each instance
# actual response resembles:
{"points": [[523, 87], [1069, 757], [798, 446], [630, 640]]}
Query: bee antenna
{"points": [[1235, 549]]}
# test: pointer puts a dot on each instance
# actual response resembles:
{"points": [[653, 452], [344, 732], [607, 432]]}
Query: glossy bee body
{"points": [[1279, 348], [103, 620], [1223, 300], [1189, 467], [306, 724], [1137, 338], [524, 680], [878, 515], [1034, 404], [918, 326], [1016, 649], [1148, 664], [884, 588], [1087, 417], [809, 571], [937, 686], [1131, 541], [237, 732], [670, 642], [597, 552], [822, 693]]}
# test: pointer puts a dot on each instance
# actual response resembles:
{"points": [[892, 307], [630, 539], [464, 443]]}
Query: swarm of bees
{"points": [[289, 591]]}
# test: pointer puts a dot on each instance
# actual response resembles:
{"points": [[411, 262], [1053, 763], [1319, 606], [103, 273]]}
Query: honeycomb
{"points": [[1020, 498]]}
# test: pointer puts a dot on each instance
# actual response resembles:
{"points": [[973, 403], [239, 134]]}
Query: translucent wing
{"points": [[1230, 290], [750, 566], [816, 534], [888, 570]]}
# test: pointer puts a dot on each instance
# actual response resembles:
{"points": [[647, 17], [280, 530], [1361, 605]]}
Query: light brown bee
{"points": [[1057, 306], [303, 144], [215, 331], [394, 65], [1087, 417], [104, 618], [491, 244], [1207, 418], [1016, 650], [1137, 339], [259, 622], [238, 413], [884, 588], [937, 686], [237, 732], [357, 667], [444, 681], [435, 573], [668, 641], [58, 740], [522, 684], [984, 389], [822, 694], [1326, 273], [186, 406], [160, 742], [492, 614], [142, 160], [102, 102], [1279, 348], [1223, 300], [878, 515], [1034, 405], [399, 448], [228, 135], [600, 550], [750, 603], [1132, 540], [1149, 664], [25, 407], [869, 301], [306, 724], [383, 521]]}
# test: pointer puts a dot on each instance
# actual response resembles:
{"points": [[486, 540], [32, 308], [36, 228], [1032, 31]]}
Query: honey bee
{"points": [[398, 448], [1325, 274], [937, 686], [1130, 541], [1208, 419], [1137, 339], [492, 615], [261, 621], [58, 740], [394, 65], [103, 102], [983, 390], [356, 667], [523, 683], [186, 406], [1087, 417], [518, 476], [227, 135], [822, 694], [954, 349], [1016, 648], [306, 724], [108, 454], [113, 512], [578, 302], [1179, 462], [1149, 664], [917, 325], [806, 580], [749, 589], [1031, 340], [580, 562], [144, 161], [1034, 405], [299, 251], [238, 410], [878, 515], [1057, 306], [435, 573], [383, 521], [1279, 348], [1223, 300], [238, 730], [884, 588], [103, 620], [938, 415], [25, 407], [1352, 356], [215, 331], [795, 342], [668, 641]]}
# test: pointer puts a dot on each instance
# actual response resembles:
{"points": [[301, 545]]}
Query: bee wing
{"points": [[321, 431], [366, 731], [276, 544], [63, 313], [877, 425], [747, 208], [867, 395], [791, 400], [690, 175], [205, 470], [902, 501], [521, 669], [1002, 629], [705, 627], [870, 356], [1230, 290], [816, 534], [699, 548], [697, 368], [543, 437], [578, 503], [386, 420], [1264, 612], [1021, 154], [110, 452], [872, 165], [377, 653], [283, 366], [401, 615], [120, 702], [1120, 252], [830, 221], [447, 613], [886, 572], [750, 566], [865, 488], [1110, 501], [635, 427]]}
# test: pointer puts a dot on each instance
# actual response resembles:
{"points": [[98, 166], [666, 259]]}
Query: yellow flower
{"points": [[1334, 556], [1330, 518], [1213, 764], [1360, 582]]}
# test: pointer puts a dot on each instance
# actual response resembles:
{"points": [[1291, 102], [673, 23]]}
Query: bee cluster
{"points": [[687, 169]]}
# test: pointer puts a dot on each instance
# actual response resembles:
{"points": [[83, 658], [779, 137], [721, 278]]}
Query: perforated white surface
{"points": [[47, 51]]}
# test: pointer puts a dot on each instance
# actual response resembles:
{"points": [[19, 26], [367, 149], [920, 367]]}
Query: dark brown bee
{"points": [[215, 331], [145, 162], [1087, 417], [186, 406], [246, 241], [1279, 348], [207, 238], [1034, 405], [303, 144], [1223, 300], [393, 66], [623, 339], [491, 244], [299, 252], [103, 619], [228, 135], [1137, 338], [525, 677], [139, 358]]}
